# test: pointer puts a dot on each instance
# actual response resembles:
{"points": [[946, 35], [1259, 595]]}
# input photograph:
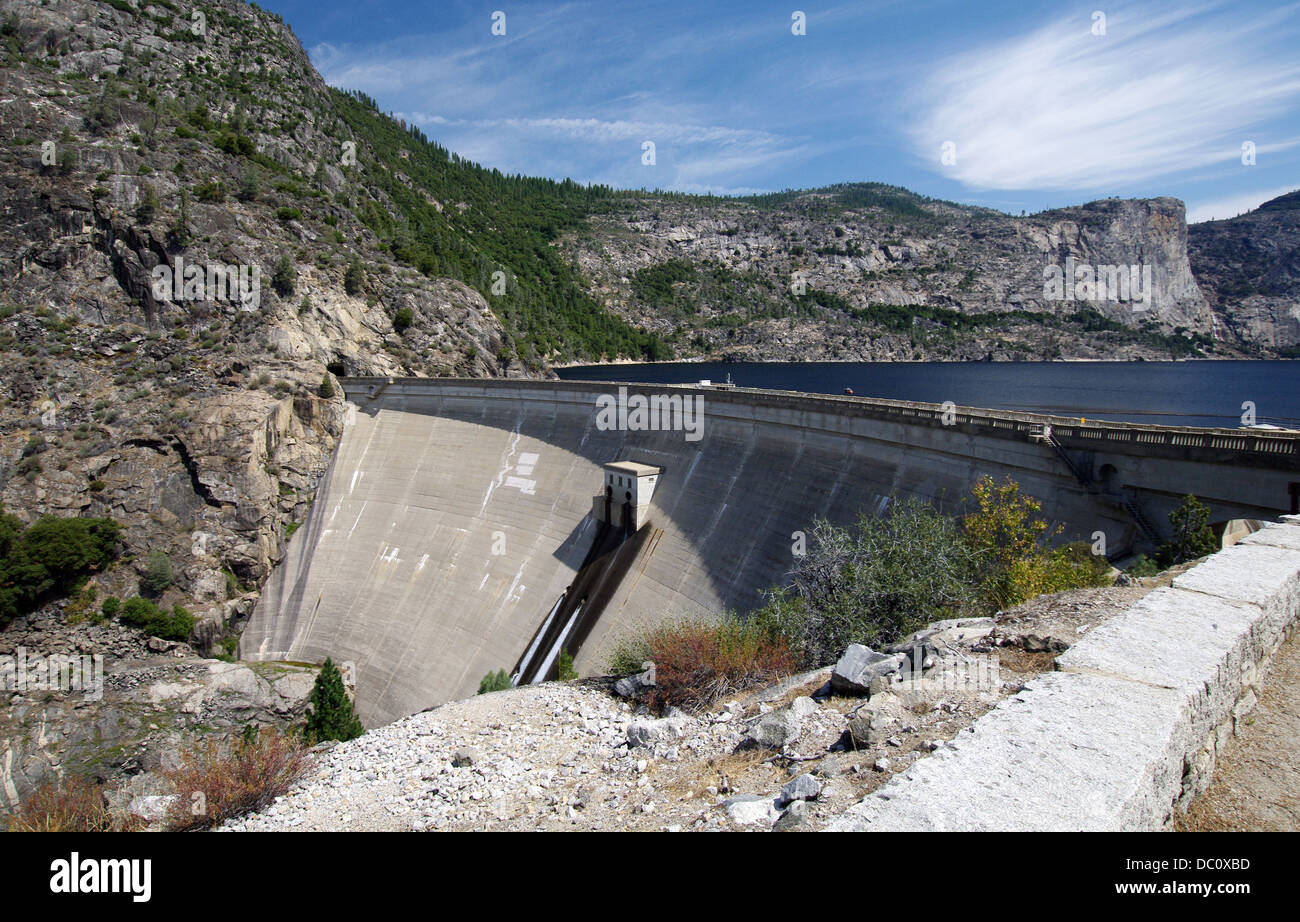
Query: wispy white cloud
{"points": [[1233, 205], [1160, 93]]}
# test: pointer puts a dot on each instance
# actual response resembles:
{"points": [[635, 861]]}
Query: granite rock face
{"points": [[1249, 270], [860, 247]]}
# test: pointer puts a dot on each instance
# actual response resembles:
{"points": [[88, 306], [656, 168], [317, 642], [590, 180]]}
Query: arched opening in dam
{"points": [[456, 513]]}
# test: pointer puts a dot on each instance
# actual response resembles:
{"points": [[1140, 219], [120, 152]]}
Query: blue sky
{"points": [[1042, 107]]}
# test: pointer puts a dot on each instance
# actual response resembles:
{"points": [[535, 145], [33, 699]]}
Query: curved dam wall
{"points": [[455, 514]]}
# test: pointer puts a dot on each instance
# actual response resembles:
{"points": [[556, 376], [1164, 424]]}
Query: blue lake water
{"points": [[1167, 393]]}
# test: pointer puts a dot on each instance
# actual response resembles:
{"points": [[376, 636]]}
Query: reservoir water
{"points": [[1167, 393]]}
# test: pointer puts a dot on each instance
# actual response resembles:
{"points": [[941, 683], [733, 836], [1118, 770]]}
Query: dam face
{"points": [[456, 513]]}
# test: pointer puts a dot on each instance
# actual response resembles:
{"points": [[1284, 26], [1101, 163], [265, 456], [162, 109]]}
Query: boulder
{"points": [[636, 686], [1033, 643], [465, 757], [942, 634], [775, 730], [860, 666], [803, 706], [805, 787], [796, 816], [652, 732], [868, 731], [152, 808], [747, 809]]}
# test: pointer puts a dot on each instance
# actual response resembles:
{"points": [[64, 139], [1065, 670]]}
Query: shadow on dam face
{"points": [[455, 514]]}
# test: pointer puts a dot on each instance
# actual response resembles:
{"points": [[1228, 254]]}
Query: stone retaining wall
{"points": [[1129, 728]]}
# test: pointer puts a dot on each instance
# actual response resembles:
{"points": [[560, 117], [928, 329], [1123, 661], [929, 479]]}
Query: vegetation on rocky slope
{"points": [[872, 584]]}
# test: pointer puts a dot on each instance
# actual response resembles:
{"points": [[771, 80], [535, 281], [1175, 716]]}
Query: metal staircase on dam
{"points": [[1128, 501]]}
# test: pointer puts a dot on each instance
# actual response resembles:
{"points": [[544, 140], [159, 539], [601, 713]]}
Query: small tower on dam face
{"points": [[629, 486]]}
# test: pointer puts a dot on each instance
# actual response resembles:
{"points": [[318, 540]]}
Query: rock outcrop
{"points": [[1249, 269]]}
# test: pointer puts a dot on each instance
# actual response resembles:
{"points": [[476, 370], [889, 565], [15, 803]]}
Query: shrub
{"points": [[403, 319], [332, 716], [236, 144], [566, 672], [285, 277], [494, 682], [157, 573], [630, 653], [1004, 534], [1192, 535], [355, 278], [148, 206], [220, 780], [49, 559], [1072, 566], [71, 804], [700, 662], [872, 585], [148, 617], [249, 187], [1142, 565], [326, 389], [112, 607]]}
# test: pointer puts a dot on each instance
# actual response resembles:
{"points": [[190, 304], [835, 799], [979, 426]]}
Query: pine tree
{"points": [[566, 671], [332, 716], [1193, 537], [355, 278], [285, 277]]}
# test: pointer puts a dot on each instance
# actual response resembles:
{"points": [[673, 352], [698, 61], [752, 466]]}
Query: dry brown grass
{"points": [[698, 663], [1013, 660], [70, 805], [220, 780], [801, 691]]}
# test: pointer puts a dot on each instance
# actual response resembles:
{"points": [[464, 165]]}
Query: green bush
{"points": [[112, 607], [1143, 565], [285, 277], [50, 559], [494, 682], [1072, 566], [566, 671], [332, 716], [872, 585], [158, 573], [892, 575], [355, 278], [326, 389], [403, 319], [143, 614]]}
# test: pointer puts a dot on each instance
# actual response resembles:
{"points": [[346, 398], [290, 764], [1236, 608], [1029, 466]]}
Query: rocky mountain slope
{"points": [[1249, 270], [870, 272], [195, 417]]}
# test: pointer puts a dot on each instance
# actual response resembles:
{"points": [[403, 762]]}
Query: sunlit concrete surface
{"points": [[456, 512]]}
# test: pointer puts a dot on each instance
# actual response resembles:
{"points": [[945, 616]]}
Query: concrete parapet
{"points": [[1130, 727]]}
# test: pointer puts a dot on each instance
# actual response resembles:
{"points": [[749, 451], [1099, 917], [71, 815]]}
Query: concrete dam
{"points": [[463, 523]]}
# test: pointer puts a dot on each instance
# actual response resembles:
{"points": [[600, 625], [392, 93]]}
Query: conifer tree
{"points": [[332, 716]]}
